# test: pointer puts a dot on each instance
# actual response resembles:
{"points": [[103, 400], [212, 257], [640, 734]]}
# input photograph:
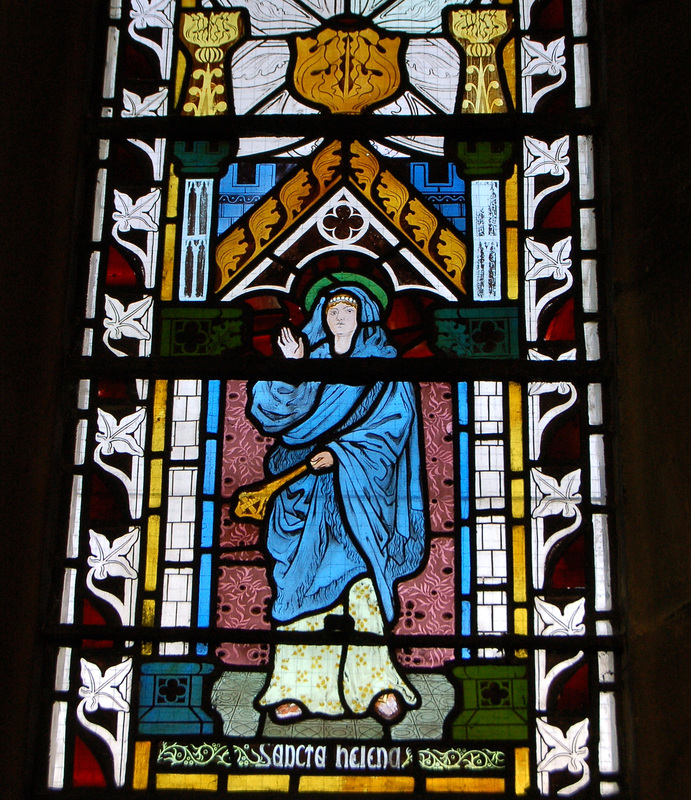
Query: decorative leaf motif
{"points": [[547, 158], [543, 60], [118, 437], [549, 263], [568, 751], [535, 355], [108, 559], [101, 690], [121, 322], [568, 623], [559, 497], [151, 106], [542, 387], [151, 13], [141, 214]]}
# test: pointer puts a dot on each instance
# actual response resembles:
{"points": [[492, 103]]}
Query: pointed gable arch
{"points": [[381, 218]]}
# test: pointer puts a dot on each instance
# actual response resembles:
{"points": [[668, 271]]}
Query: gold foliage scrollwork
{"points": [[325, 163], [365, 166], [424, 224], [394, 195], [229, 255], [208, 37], [252, 235], [453, 254], [411, 215], [347, 71], [264, 221], [479, 33], [294, 193]]}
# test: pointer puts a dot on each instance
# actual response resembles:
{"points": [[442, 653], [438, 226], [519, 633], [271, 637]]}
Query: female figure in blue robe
{"points": [[342, 534]]}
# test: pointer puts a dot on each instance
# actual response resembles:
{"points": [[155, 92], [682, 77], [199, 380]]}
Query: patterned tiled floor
{"points": [[232, 697], [234, 693]]}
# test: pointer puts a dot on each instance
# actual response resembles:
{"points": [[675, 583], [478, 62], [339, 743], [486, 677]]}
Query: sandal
{"points": [[287, 712], [388, 707]]}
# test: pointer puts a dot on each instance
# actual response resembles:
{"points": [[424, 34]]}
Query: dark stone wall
{"points": [[45, 57], [648, 58]]}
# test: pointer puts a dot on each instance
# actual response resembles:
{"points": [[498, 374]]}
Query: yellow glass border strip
{"points": [[181, 780], [383, 784], [142, 755], [158, 433], [173, 188], [516, 426], [153, 535], [258, 783], [517, 498], [520, 621], [156, 483], [168, 262], [466, 785], [522, 770], [519, 565], [512, 263]]}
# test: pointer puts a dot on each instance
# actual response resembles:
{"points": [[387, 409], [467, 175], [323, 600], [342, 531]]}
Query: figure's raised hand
{"points": [[289, 345], [321, 461]]}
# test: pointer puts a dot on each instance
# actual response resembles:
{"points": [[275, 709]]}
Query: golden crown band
{"points": [[342, 298]]}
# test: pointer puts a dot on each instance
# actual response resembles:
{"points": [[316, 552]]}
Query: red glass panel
{"points": [[574, 693], [115, 390], [560, 214], [119, 272], [552, 16], [86, 771], [104, 505], [566, 442], [569, 571], [561, 328]]}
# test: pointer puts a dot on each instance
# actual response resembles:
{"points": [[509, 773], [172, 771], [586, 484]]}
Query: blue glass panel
{"points": [[465, 560], [239, 192], [465, 625], [463, 403], [212, 407], [210, 467], [207, 523], [170, 699], [445, 192], [204, 609], [464, 476]]}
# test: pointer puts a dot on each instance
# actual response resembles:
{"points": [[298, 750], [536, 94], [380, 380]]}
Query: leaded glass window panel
{"points": [[339, 516]]}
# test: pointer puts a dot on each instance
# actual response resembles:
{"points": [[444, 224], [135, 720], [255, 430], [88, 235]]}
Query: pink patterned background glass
{"points": [[437, 416]]}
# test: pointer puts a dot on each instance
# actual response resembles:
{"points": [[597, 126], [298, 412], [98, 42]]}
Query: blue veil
{"points": [[371, 340]]}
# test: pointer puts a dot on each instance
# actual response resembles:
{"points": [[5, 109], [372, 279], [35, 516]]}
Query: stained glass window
{"points": [[339, 515]]}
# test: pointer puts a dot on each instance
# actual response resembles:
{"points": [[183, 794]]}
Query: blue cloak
{"points": [[364, 517]]}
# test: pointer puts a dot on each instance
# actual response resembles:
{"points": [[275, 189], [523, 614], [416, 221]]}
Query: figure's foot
{"points": [[388, 707], [287, 712]]}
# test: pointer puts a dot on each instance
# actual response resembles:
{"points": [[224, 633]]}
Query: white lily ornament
{"points": [[551, 497], [115, 560], [565, 751], [142, 214], [543, 158], [124, 437], [109, 691], [121, 321], [539, 59], [154, 14]]}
